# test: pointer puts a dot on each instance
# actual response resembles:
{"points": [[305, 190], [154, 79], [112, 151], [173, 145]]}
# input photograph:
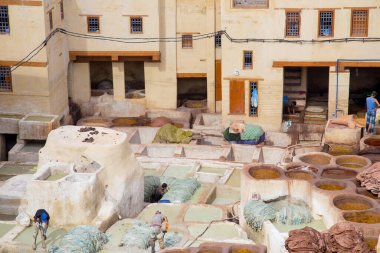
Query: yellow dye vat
{"points": [[300, 175], [353, 205], [242, 250], [331, 187], [263, 173], [363, 217], [372, 242]]}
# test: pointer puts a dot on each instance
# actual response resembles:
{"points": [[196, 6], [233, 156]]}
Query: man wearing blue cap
{"points": [[41, 218]]}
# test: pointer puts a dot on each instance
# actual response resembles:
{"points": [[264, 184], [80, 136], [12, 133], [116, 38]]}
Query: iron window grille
{"points": [[5, 79], [218, 40], [293, 24], [326, 19], [136, 25], [253, 103], [187, 41], [247, 60], [50, 14], [4, 19], [61, 10], [359, 23], [93, 24]]}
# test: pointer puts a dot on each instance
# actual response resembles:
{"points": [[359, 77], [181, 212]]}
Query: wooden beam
{"points": [[191, 75], [360, 64], [115, 55], [21, 2], [26, 64], [281, 64], [253, 79]]}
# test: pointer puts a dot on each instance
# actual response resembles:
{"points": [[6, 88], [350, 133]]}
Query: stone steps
{"points": [[9, 205]]}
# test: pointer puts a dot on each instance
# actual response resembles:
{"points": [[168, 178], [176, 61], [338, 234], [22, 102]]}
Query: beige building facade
{"points": [[166, 51], [302, 68]]}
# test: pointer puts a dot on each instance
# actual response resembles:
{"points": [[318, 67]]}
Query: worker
{"points": [[156, 228], [41, 219], [372, 105], [158, 193]]}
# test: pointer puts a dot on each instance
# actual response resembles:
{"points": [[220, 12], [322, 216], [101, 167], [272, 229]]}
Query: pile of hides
{"points": [[179, 190], [349, 121], [139, 237], [370, 178], [82, 239], [343, 237], [169, 133], [256, 212], [305, 240]]}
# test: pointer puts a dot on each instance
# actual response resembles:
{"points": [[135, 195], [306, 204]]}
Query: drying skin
{"points": [[344, 237], [305, 240], [370, 178]]}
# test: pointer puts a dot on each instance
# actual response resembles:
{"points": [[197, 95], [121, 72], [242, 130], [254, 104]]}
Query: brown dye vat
{"points": [[363, 217], [264, 172], [301, 175], [331, 187], [372, 242], [124, 122], [241, 250], [372, 142], [351, 162], [302, 168], [338, 173], [95, 121], [352, 204], [316, 159], [368, 194]]}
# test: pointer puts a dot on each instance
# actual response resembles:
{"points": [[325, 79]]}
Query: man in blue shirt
{"points": [[372, 105], [41, 218]]}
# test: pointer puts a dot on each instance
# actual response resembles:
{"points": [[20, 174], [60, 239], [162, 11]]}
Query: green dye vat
{"points": [[202, 214], [18, 169], [5, 177], [213, 170], [316, 224], [39, 118], [56, 177], [223, 201], [54, 235], [11, 116], [234, 179], [5, 228], [218, 231], [150, 172], [170, 211], [177, 171], [199, 194], [351, 165]]}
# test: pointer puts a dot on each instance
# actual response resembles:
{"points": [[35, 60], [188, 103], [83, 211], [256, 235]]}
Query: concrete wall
{"points": [[243, 23]]}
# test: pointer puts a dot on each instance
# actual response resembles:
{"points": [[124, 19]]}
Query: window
{"points": [[136, 25], [61, 10], [254, 99], [4, 19], [93, 24], [326, 23], [293, 20], [5, 79], [247, 60], [187, 41], [50, 13], [218, 40], [359, 23]]}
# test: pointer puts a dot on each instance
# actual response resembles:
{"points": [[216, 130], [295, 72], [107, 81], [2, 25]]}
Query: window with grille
{"points": [[50, 14], [4, 19], [359, 23], [93, 24], [326, 23], [218, 40], [293, 19], [5, 79], [136, 25], [187, 41], [254, 99], [247, 60], [61, 10]]}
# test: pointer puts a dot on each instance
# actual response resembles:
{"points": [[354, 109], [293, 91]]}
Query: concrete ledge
{"points": [[37, 126]]}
